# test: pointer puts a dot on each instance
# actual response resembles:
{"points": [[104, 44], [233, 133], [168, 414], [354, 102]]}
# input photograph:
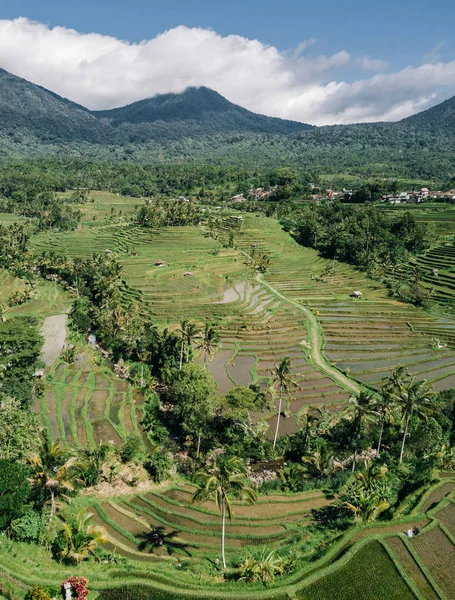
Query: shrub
{"points": [[14, 491], [38, 592], [132, 449], [28, 527], [80, 587], [159, 464]]}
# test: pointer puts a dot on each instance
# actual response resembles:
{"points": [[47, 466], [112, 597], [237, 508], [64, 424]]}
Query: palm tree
{"points": [[81, 537], [319, 463], [192, 333], [143, 355], [362, 408], [308, 420], [93, 460], [414, 399], [282, 380], [217, 482], [209, 341], [183, 329], [53, 471], [368, 496], [384, 406]]}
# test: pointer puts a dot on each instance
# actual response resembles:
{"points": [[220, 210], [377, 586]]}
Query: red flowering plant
{"points": [[79, 586]]}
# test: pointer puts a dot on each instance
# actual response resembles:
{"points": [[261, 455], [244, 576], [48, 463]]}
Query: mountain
{"points": [[31, 109], [438, 119], [201, 107], [200, 125]]}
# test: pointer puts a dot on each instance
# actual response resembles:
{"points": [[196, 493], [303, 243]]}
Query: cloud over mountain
{"points": [[101, 72]]}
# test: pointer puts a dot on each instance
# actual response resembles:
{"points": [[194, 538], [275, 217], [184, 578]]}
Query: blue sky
{"points": [[361, 60]]}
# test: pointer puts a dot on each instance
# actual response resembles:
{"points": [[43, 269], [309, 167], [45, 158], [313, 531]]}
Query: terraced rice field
{"points": [[48, 299], [370, 574], [437, 553], [84, 405], [372, 337], [411, 567], [101, 203], [440, 217], [365, 338], [441, 258], [160, 524]]}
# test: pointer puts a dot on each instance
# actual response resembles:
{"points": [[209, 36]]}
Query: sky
{"points": [[321, 62]]}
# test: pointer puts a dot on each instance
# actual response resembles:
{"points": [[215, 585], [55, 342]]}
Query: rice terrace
{"points": [[299, 308], [227, 340]]}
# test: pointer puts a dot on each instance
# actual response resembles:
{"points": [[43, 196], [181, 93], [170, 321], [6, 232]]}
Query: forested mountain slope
{"points": [[200, 125]]}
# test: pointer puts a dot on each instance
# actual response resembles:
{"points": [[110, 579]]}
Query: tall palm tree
{"points": [[384, 407], [362, 408], [308, 421], [282, 380], [182, 330], [53, 472], [209, 341], [414, 399], [81, 537], [217, 482], [192, 333]]}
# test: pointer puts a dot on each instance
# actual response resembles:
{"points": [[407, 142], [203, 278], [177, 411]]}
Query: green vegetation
{"points": [[205, 344], [199, 124]]}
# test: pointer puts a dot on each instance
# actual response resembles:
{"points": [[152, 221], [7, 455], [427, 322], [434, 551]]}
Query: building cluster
{"points": [[415, 197], [254, 194]]}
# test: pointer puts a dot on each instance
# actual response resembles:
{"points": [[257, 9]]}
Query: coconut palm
{"points": [[192, 333], [182, 331], [384, 407], [54, 472], [81, 537], [217, 483], [416, 398], [319, 463], [209, 341], [308, 421], [282, 380], [362, 409]]}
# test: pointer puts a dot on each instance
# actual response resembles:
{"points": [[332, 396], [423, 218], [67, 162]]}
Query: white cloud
{"points": [[434, 55], [304, 46], [372, 64], [103, 72]]}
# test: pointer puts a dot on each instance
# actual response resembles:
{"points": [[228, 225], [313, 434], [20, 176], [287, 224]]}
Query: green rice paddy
{"points": [[202, 278], [163, 538]]}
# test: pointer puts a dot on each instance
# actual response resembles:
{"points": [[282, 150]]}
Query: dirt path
{"points": [[317, 356], [53, 331]]}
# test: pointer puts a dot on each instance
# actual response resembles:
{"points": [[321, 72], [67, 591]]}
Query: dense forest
{"points": [[199, 125]]}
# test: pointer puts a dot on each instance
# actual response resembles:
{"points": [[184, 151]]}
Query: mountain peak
{"points": [[200, 105]]}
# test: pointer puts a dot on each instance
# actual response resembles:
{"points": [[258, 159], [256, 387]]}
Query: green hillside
{"points": [[198, 108], [199, 124]]}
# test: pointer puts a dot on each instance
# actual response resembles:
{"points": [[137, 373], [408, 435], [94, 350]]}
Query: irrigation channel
{"points": [[317, 356]]}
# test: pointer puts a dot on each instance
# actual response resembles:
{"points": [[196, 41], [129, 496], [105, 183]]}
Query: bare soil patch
{"points": [[53, 331]]}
